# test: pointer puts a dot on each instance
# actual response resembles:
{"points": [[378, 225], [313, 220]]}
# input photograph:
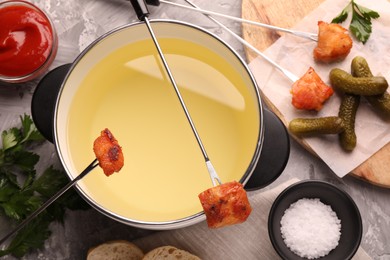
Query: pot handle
{"points": [[153, 2], [274, 153], [44, 100]]}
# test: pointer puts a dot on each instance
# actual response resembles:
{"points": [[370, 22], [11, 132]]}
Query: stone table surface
{"points": [[78, 23]]}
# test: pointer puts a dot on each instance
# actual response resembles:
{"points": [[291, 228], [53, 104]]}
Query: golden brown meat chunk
{"points": [[108, 152], [310, 92], [225, 204], [334, 43]]}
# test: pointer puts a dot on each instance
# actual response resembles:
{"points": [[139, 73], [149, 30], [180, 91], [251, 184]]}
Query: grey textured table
{"points": [[80, 22]]}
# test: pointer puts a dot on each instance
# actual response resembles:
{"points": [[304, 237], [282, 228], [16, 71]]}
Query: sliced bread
{"points": [[115, 250], [169, 253]]}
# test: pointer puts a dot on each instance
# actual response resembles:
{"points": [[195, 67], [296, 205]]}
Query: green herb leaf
{"points": [[30, 132], [9, 139], [26, 160], [21, 204], [50, 182], [7, 176], [343, 15], [21, 193], [7, 189], [366, 12], [360, 26], [31, 236]]}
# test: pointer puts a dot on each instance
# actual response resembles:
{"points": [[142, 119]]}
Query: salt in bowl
{"points": [[340, 202]]}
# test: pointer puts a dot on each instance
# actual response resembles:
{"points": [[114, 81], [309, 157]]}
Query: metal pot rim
{"points": [[173, 223]]}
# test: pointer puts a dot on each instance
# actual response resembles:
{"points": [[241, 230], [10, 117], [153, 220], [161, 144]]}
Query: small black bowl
{"points": [[340, 202]]}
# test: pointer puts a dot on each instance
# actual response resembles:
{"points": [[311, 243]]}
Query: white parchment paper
{"points": [[296, 55]]}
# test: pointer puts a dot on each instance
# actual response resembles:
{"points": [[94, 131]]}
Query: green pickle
{"points": [[360, 68], [312, 126], [365, 86], [360, 83], [381, 103], [347, 112]]}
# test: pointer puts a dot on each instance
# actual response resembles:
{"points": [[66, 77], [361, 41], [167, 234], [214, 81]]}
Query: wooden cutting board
{"points": [[287, 13]]}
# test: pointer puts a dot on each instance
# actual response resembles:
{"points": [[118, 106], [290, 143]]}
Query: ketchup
{"points": [[26, 39]]}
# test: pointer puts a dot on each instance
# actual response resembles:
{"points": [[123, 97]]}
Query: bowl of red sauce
{"points": [[28, 41]]}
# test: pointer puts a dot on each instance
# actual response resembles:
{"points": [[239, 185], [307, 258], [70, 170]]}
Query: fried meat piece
{"points": [[310, 92], [108, 152], [225, 204], [334, 43]]}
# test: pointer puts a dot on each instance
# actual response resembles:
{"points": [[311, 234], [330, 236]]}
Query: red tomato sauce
{"points": [[26, 40]]}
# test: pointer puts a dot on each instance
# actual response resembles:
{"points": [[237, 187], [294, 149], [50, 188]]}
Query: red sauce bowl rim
{"points": [[54, 46]]}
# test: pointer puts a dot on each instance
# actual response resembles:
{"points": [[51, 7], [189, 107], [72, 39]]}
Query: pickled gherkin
{"points": [[360, 68], [347, 112], [312, 126], [360, 82], [365, 86]]}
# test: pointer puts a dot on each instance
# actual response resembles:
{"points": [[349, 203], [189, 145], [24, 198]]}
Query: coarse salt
{"points": [[310, 228]]}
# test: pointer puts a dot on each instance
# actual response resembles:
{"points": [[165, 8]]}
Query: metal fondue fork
{"points": [[142, 14], [59, 193], [285, 72], [310, 36]]}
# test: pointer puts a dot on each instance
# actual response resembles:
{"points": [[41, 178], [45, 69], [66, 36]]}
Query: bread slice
{"points": [[169, 253], [115, 250]]}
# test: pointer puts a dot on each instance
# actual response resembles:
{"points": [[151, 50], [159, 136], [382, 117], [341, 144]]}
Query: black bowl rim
{"points": [[324, 184]]}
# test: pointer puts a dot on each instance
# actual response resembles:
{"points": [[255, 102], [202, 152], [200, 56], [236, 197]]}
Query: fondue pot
{"points": [[118, 83]]}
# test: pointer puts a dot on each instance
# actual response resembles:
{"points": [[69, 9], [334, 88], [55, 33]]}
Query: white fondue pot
{"points": [[118, 83]]}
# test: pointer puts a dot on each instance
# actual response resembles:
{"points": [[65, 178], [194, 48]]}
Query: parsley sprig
{"points": [[22, 191], [360, 26]]}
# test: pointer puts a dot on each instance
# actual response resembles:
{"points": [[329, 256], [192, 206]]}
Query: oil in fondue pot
{"points": [[129, 92]]}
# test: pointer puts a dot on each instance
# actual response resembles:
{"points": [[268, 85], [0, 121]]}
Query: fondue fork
{"points": [[310, 36], [142, 14], [286, 72], [22, 224]]}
